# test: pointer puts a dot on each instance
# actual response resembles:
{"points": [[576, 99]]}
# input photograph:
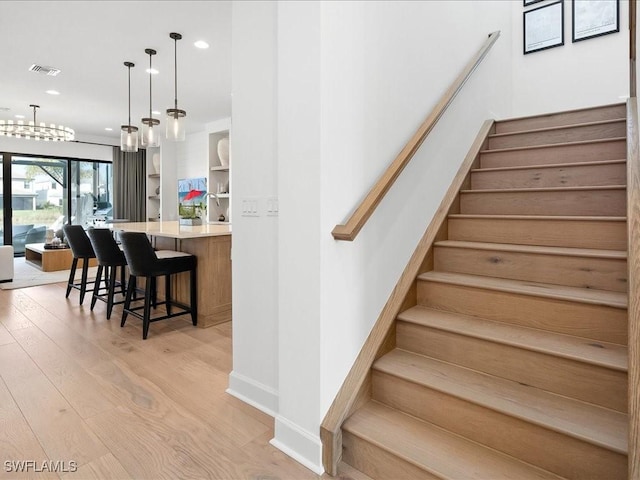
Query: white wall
{"points": [[575, 75], [193, 156], [254, 175]]}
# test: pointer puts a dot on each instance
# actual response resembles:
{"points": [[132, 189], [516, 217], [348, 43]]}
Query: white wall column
{"points": [[254, 378]]}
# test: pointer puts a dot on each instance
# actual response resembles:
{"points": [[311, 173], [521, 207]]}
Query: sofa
{"points": [[26, 234], [6, 263]]}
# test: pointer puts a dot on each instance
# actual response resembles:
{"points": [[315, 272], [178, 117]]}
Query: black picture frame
{"points": [[526, 3], [543, 27], [594, 18]]}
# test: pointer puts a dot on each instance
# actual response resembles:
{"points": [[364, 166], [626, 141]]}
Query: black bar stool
{"points": [[110, 257], [81, 248], [144, 262]]}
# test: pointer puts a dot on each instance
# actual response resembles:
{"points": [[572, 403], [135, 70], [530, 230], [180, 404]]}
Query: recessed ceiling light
{"points": [[201, 44], [157, 112], [53, 92], [19, 116], [152, 71], [108, 129]]}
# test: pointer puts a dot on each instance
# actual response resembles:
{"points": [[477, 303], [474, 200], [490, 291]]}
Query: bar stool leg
{"points": [[127, 301], [83, 285], [96, 287], [167, 292], [146, 320], [72, 275], [111, 290], [123, 281], [193, 283]]}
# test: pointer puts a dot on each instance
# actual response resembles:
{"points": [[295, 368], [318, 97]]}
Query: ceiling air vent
{"points": [[52, 72]]}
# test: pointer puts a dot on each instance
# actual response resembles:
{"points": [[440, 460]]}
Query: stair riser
{"points": [[608, 235], [377, 462], [609, 112], [601, 386], [604, 202], [596, 322], [597, 273], [589, 152], [570, 176], [531, 443], [579, 133]]}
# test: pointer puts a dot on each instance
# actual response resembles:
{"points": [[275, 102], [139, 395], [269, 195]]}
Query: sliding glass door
{"points": [[42, 193], [38, 199]]}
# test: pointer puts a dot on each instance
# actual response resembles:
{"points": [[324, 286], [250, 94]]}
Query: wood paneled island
{"points": [[211, 244]]}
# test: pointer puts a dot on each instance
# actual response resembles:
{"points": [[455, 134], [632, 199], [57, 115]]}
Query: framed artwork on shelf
{"points": [[594, 18], [543, 27], [192, 194]]}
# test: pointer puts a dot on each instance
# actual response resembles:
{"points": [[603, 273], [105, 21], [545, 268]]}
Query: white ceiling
{"points": [[90, 41]]}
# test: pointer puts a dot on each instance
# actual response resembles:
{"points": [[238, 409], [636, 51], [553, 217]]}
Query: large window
{"points": [[42, 193]]}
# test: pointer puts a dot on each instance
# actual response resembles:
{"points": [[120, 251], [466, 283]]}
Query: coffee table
{"points": [[51, 260]]}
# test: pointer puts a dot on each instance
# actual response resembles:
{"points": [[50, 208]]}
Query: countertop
{"points": [[174, 229]]}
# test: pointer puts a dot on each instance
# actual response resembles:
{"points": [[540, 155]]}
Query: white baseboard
{"points": [[254, 393], [299, 444]]}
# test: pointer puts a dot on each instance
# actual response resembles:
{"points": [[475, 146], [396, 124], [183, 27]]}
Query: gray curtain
{"points": [[129, 185]]}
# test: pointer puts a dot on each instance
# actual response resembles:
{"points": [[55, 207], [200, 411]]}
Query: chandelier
{"points": [[36, 131]]}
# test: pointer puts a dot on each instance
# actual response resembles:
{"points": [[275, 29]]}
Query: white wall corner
{"points": [[299, 444], [254, 393]]}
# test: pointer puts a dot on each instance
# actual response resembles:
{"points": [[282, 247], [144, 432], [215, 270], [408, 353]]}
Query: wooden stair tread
{"points": [[539, 217], [547, 189], [542, 250], [555, 128], [603, 354], [547, 165], [553, 145], [433, 449], [347, 472], [584, 421], [558, 292], [575, 110]]}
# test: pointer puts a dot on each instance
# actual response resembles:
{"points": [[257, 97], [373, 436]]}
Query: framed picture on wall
{"points": [[594, 18], [543, 27]]}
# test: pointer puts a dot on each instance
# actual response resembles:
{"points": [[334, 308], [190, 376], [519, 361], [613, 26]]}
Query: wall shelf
{"points": [[219, 179]]}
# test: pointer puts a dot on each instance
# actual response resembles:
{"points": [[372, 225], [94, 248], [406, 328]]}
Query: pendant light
{"points": [[129, 133], [150, 136], [175, 116]]}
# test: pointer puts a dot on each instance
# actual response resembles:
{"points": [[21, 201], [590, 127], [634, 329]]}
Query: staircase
{"points": [[513, 362]]}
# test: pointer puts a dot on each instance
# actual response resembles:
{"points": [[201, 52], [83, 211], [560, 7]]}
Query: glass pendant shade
{"points": [[175, 125], [129, 138], [176, 117], [129, 133], [150, 130]]}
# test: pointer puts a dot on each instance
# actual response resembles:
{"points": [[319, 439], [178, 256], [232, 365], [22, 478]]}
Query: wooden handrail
{"points": [[633, 259], [350, 230]]}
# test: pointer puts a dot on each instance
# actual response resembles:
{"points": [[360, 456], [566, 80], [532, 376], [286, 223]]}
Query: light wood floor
{"points": [[77, 387]]}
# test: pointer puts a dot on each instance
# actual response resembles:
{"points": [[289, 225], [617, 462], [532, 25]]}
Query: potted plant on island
{"points": [[191, 214]]}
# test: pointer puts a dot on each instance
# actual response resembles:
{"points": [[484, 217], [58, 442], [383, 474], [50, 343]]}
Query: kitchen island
{"points": [[211, 244]]}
